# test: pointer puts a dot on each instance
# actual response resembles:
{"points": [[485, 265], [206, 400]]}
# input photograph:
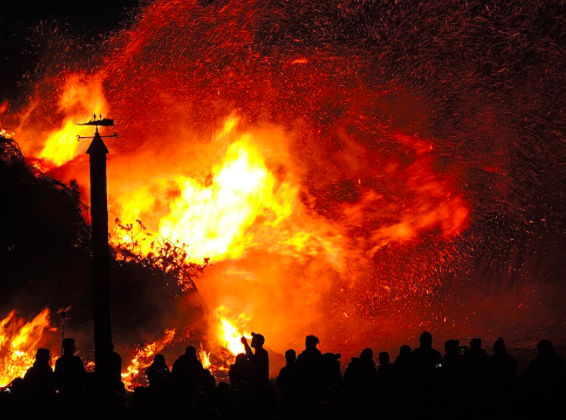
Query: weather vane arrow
{"points": [[96, 122]]}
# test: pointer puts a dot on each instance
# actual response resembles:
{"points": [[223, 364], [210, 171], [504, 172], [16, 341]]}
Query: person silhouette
{"points": [[187, 371], [309, 368], [360, 372], [259, 361], [153, 378], [385, 370], [424, 359], [387, 381], [479, 353], [288, 382], [311, 356], [39, 379], [69, 371], [547, 369], [240, 370], [116, 371], [452, 357], [502, 366], [159, 364], [402, 366]]}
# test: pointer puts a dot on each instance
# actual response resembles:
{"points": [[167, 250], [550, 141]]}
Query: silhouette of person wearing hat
{"points": [[69, 371], [259, 361]]}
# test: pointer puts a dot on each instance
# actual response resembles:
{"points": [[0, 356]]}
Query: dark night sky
{"points": [[18, 55]]}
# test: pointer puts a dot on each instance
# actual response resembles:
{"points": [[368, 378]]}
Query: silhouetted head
{"points": [[241, 385], [224, 388], [290, 356], [258, 341], [153, 376], [383, 358], [545, 349], [191, 352], [499, 346], [475, 344], [159, 360], [366, 354], [405, 350], [240, 358], [311, 342], [201, 400], [331, 357], [426, 339], [42, 356], [69, 346], [451, 347]]}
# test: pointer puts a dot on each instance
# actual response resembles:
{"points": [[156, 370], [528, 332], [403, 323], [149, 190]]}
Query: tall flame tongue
{"points": [[19, 340], [143, 356], [81, 97], [84, 99], [213, 216], [204, 357], [231, 330]]}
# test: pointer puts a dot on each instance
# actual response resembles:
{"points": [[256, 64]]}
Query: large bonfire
{"points": [[318, 170]]}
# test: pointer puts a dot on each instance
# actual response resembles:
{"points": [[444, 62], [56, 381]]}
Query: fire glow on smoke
{"points": [[325, 176], [244, 203]]}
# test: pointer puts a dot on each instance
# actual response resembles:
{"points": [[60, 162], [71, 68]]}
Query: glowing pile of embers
{"points": [[19, 340]]}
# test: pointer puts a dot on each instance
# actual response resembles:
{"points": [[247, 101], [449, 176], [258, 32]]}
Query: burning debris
{"points": [[143, 356], [19, 340]]}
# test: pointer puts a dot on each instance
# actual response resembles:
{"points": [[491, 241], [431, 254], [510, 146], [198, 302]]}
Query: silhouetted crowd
{"points": [[463, 383]]}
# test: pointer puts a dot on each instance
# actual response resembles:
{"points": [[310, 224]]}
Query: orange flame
{"points": [[134, 374], [19, 340], [215, 216], [6, 134], [78, 101], [231, 331], [81, 96], [204, 357]]}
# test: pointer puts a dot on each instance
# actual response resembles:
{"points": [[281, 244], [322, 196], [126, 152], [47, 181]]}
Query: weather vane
{"points": [[103, 122], [102, 324]]}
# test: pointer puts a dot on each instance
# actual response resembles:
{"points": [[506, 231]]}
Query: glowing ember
{"points": [[143, 356], [19, 340], [89, 366]]}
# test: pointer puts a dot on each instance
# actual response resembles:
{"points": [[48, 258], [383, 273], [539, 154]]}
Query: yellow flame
{"points": [[78, 102], [6, 134], [19, 340], [204, 357], [213, 219], [231, 331], [134, 374]]}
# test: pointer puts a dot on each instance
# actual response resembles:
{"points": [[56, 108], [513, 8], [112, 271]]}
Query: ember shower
{"points": [[358, 169]]}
